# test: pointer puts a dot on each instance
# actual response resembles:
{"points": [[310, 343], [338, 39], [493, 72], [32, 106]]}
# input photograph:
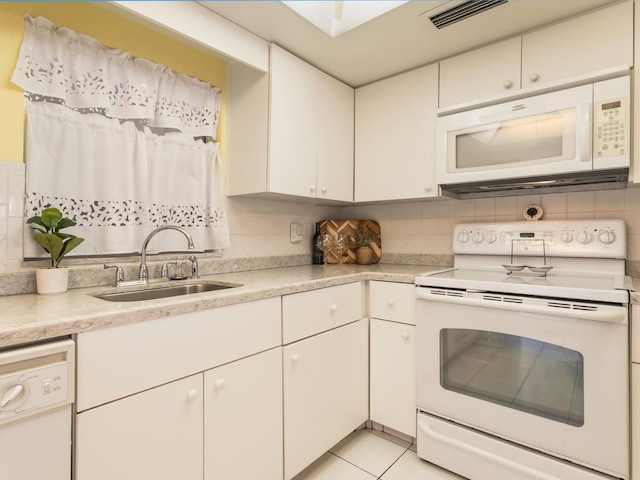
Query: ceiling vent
{"points": [[463, 11]]}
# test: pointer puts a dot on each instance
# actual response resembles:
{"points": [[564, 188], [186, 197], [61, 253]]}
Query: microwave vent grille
{"points": [[463, 11]]}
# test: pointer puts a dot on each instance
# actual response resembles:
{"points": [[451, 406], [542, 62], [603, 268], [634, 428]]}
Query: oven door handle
{"points": [[522, 471], [609, 315]]}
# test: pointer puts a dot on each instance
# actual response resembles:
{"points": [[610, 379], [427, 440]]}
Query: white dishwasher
{"points": [[36, 393]]}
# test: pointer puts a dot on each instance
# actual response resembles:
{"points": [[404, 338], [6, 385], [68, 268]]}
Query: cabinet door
{"points": [[325, 392], [155, 434], [335, 139], [585, 44], [481, 73], [292, 125], [395, 137], [393, 376], [243, 419]]}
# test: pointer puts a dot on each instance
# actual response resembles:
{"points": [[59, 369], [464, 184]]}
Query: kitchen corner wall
{"points": [[260, 228], [427, 227]]}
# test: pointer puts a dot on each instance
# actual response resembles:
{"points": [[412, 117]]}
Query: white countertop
{"points": [[32, 317]]}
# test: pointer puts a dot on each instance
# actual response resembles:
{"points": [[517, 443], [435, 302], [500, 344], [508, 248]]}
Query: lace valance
{"points": [[84, 74]]}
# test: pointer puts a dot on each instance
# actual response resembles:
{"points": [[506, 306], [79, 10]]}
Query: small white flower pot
{"points": [[52, 280]]}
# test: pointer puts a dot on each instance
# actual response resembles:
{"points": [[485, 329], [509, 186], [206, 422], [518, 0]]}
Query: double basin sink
{"points": [[164, 291]]}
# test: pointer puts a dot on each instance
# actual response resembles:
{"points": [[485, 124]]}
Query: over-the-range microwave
{"points": [[571, 139]]}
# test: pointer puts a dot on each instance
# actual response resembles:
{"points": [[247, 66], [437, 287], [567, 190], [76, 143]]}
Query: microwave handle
{"points": [[583, 132]]}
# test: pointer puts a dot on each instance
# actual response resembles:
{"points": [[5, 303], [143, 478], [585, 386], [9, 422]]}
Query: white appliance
{"points": [[522, 353], [568, 138], [36, 393]]}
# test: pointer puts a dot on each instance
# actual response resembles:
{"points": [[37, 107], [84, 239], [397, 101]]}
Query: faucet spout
{"points": [[143, 273]]}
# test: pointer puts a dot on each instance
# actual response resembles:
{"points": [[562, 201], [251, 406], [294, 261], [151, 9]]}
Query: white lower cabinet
{"points": [[392, 379], [182, 397], [393, 376], [325, 392], [243, 419], [154, 434]]}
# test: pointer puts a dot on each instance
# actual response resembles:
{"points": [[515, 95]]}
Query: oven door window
{"points": [[517, 372]]}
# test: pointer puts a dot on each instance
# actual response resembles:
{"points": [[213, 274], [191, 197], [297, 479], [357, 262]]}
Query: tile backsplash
{"points": [[260, 228]]}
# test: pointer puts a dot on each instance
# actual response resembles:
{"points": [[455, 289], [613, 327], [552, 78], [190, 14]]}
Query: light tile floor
{"points": [[369, 455]]}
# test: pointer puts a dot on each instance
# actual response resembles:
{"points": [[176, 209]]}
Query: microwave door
{"points": [[515, 140]]}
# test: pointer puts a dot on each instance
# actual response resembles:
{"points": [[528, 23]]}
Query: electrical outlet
{"points": [[297, 232]]}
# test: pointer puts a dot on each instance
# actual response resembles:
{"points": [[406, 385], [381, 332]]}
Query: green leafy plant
{"points": [[363, 237], [47, 234]]}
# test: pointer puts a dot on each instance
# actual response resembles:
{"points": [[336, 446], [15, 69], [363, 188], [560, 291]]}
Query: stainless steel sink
{"points": [[164, 291]]}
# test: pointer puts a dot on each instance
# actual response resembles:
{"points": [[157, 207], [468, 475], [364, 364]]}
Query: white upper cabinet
{"points": [[494, 69], [589, 43], [582, 45], [334, 176], [311, 131], [395, 137], [300, 141]]}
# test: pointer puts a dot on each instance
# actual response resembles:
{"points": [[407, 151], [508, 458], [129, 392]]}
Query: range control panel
{"points": [[566, 238]]}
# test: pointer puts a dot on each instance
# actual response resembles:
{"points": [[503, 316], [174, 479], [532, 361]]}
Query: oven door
{"points": [[548, 374]]}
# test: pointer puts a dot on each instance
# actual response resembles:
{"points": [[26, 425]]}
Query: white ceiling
{"points": [[398, 41]]}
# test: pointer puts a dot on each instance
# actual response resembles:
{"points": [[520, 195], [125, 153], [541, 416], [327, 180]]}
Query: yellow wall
{"points": [[109, 29]]}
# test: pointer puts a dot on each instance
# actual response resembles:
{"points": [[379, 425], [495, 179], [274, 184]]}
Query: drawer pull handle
{"points": [[219, 383], [333, 308], [405, 336], [192, 394], [294, 358], [391, 302]]}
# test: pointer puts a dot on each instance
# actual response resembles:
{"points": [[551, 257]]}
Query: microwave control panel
{"points": [[611, 130], [611, 120]]}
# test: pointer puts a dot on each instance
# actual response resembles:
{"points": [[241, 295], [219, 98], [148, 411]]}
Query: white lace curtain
{"points": [[56, 62], [116, 180]]}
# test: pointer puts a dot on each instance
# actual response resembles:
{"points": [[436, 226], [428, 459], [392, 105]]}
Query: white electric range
{"points": [[522, 352]]}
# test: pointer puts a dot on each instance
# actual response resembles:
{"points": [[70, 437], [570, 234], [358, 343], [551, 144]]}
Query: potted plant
{"points": [[47, 226]]}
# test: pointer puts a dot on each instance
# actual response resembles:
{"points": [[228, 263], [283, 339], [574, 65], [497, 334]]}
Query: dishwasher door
{"points": [[36, 393]]}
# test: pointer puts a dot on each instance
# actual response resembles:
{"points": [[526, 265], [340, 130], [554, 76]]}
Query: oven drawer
{"points": [[481, 457]]}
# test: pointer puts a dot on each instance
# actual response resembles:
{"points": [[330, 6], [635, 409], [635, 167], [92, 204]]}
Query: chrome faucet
{"points": [[143, 274]]}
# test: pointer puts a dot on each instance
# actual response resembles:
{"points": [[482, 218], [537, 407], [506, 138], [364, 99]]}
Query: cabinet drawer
{"points": [[393, 301], [119, 361], [308, 313]]}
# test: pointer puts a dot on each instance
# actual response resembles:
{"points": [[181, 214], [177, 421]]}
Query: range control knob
{"points": [[463, 236], [477, 237], [607, 236], [491, 236], [584, 236], [566, 236]]}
